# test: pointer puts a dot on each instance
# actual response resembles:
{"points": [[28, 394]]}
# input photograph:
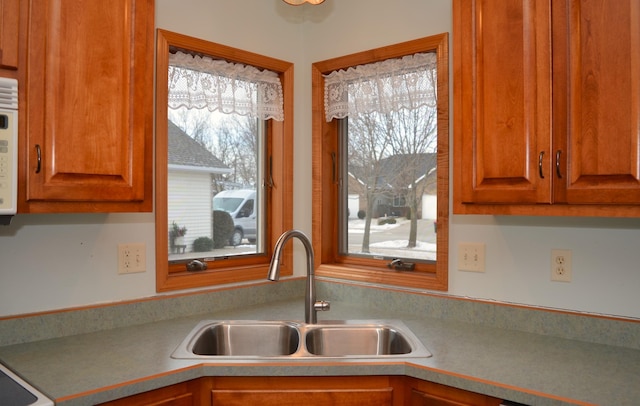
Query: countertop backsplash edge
{"points": [[597, 329], [574, 326]]}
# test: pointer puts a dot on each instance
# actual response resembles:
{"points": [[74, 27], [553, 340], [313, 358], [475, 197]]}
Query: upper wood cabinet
{"points": [[547, 107], [86, 133], [9, 29]]}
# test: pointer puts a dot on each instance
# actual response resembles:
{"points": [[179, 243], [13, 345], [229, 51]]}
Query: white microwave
{"points": [[8, 149]]}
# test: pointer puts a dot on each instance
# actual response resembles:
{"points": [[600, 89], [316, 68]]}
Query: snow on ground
{"points": [[422, 250]]}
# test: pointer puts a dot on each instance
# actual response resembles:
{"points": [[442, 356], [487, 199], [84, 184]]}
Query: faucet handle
{"points": [[322, 306]]}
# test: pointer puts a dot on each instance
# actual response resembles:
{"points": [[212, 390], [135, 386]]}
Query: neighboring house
{"points": [[190, 172], [397, 175]]}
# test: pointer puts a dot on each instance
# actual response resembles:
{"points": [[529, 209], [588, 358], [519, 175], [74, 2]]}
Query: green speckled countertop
{"points": [[521, 366]]}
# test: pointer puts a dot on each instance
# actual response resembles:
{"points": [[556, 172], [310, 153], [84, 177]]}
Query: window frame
{"points": [[325, 143], [279, 158]]}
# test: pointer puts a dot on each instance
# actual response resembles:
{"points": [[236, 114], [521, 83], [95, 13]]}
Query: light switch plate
{"points": [[471, 257]]}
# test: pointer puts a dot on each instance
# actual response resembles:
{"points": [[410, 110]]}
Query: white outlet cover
{"points": [[135, 262], [561, 265]]}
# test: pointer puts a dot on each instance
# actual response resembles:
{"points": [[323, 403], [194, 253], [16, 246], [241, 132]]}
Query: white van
{"points": [[240, 204]]}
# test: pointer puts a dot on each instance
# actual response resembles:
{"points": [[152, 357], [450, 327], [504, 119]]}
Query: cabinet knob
{"points": [[38, 158], [540, 171], [558, 153]]}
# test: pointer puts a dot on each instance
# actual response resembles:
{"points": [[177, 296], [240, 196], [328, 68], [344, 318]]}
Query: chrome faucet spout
{"points": [[311, 306]]}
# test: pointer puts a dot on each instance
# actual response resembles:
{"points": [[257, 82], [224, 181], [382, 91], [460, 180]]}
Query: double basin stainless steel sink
{"points": [[256, 339]]}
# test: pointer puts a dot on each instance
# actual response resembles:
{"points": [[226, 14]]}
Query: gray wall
{"points": [[58, 261]]}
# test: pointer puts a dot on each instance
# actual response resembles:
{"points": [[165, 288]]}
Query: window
{"points": [[381, 175], [223, 165], [214, 175]]}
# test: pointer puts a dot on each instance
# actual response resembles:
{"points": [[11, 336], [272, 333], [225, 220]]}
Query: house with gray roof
{"points": [[391, 179], [191, 173]]}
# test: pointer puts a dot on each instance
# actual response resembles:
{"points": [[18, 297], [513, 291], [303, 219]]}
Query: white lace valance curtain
{"points": [[386, 86], [202, 82]]}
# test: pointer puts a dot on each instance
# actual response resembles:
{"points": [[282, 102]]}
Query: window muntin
{"points": [[329, 202], [276, 179]]}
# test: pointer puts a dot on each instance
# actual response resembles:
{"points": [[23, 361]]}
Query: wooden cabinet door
{"points": [[89, 105], [309, 397], [547, 107], [502, 94], [308, 391], [183, 394], [424, 393], [424, 399], [596, 87], [9, 23]]}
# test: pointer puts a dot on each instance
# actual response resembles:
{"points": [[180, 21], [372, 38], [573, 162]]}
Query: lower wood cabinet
{"points": [[190, 393], [307, 391], [293, 391], [424, 393]]}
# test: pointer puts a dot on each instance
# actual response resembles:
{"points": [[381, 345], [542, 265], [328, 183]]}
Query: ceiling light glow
{"points": [[299, 2]]}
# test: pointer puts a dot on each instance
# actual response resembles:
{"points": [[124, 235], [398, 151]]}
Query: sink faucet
{"points": [[311, 306]]}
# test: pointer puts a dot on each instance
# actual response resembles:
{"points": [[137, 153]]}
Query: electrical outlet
{"points": [[561, 265], [471, 257], [132, 258]]}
